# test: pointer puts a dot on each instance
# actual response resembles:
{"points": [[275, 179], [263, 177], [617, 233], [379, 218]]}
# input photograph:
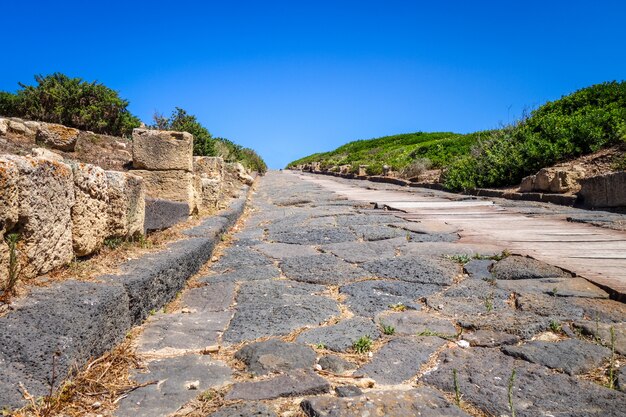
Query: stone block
{"points": [[170, 185], [17, 127], [46, 154], [163, 214], [45, 198], [162, 150], [8, 194], [127, 204], [4, 126], [57, 136], [90, 211], [607, 190], [527, 185], [208, 166]]}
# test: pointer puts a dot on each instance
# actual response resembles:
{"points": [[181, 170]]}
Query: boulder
{"points": [[558, 180], [127, 204], [210, 193], [527, 185], [4, 126], [90, 211], [175, 186], [57, 136], [17, 127], [45, 199], [607, 190], [363, 170], [162, 150], [46, 154]]}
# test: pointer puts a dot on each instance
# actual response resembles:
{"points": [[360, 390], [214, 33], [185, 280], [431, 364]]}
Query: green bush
{"points": [[73, 102], [578, 124]]}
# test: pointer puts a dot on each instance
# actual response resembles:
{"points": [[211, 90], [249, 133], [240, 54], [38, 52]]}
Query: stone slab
{"points": [[162, 214], [295, 384], [322, 269], [424, 270], [162, 150], [275, 355], [341, 336]]}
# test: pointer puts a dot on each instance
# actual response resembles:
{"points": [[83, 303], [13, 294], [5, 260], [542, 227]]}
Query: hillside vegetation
{"points": [[92, 106], [580, 123]]}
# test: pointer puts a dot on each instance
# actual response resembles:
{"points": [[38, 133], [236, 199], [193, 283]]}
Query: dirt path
{"points": [[323, 306]]}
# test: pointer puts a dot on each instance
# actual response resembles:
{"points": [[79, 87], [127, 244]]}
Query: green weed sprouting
{"points": [[510, 392], [555, 326], [612, 375], [489, 302], [363, 345], [457, 388], [387, 329]]}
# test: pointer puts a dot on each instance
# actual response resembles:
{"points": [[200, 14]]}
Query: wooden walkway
{"points": [[595, 253]]}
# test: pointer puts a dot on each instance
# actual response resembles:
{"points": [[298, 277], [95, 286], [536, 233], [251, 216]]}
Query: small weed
{"points": [[555, 326], [429, 332], [612, 375], [510, 391], [387, 329], [363, 345], [554, 291], [397, 307], [152, 312], [457, 389], [460, 258], [489, 302], [320, 346], [113, 242], [8, 287]]}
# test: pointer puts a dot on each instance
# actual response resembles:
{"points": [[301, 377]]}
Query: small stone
{"points": [[192, 385], [348, 391], [185, 310], [463, 344], [211, 349], [96, 405], [318, 367]]}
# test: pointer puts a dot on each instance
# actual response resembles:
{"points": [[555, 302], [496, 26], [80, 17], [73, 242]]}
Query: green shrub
{"points": [[73, 102]]}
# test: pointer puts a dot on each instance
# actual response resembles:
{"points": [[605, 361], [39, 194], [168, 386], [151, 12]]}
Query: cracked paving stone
{"points": [[520, 267], [416, 322], [604, 311], [282, 251], [210, 297], [322, 269], [423, 402], [366, 298], [335, 364], [276, 308], [359, 252], [341, 336], [182, 332], [602, 331], [479, 268], [571, 356], [423, 270], [519, 323], [295, 384], [246, 273], [240, 256], [549, 306], [367, 219], [313, 236], [400, 359], [375, 232], [483, 376], [488, 338], [558, 287], [470, 297], [249, 409], [275, 355], [174, 376], [348, 391]]}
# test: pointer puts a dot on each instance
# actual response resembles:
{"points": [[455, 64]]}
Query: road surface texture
{"points": [[324, 306]]}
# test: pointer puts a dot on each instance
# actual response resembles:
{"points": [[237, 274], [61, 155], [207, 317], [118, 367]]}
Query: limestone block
{"points": [[45, 199], [90, 210], [363, 170], [607, 190], [208, 166], [46, 154], [17, 127], [4, 126], [9, 207], [567, 180], [528, 184], [210, 193], [127, 204], [4, 258], [162, 150], [57, 136], [170, 185], [32, 126]]}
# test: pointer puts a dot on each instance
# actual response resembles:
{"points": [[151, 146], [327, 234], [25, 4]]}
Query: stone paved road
{"points": [[325, 307]]}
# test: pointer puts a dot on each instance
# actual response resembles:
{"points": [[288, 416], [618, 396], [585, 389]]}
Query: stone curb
{"points": [[60, 327]]}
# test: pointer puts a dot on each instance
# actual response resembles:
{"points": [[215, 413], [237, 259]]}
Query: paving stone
{"points": [[605, 311], [488, 338], [571, 356], [348, 391], [366, 298], [558, 287], [602, 331], [367, 219], [341, 336], [172, 390], [285, 250], [336, 364], [322, 269], [423, 270], [214, 296], [295, 384], [423, 402], [483, 376], [400, 359], [273, 308], [416, 322], [519, 267], [621, 379], [549, 306], [249, 409], [237, 257], [313, 236], [470, 297], [524, 325], [375, 232], [439, 249], [245, 273], [275, 356], [359, 252], [182, 332], [479, 268]]}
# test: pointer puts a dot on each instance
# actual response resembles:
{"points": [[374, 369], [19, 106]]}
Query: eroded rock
{"points": [[275, 356], [297, 383], [127, 204], [341, 336], [57, 136], [161, 150], [90, 210]]}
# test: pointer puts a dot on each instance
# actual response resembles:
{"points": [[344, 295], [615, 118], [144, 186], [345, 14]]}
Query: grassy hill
{"points": [[583, 122]]}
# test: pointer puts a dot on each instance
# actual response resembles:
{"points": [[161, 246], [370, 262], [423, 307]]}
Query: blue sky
{"points": [[289, 78]]}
